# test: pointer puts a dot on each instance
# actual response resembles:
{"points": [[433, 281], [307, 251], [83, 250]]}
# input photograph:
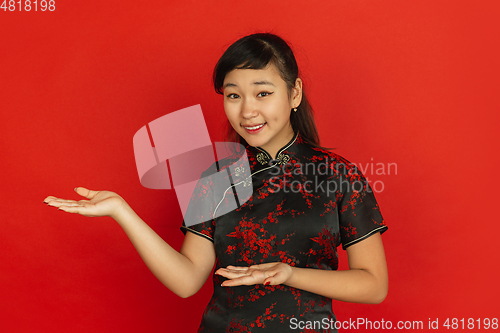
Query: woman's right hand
{"points": [[99, 203]]}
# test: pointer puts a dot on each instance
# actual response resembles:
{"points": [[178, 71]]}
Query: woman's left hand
{"points": [[271, 273]]}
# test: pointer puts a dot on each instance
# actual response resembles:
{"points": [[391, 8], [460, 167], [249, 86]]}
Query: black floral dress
{"points": [[303, 205]]}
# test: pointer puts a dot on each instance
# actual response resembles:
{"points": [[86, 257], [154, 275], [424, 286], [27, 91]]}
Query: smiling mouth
{"points": [[253, 128]]}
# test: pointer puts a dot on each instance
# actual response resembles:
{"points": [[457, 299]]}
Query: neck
{"points": [[274, 147]]}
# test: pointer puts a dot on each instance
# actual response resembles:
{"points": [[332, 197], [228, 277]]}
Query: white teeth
{"points": [[254, 127]]}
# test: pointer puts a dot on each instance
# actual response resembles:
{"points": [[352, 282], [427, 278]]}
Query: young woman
{"points": [[275, 256]]}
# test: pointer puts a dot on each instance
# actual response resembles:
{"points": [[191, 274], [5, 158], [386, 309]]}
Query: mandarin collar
{"points": [[264, 158]]}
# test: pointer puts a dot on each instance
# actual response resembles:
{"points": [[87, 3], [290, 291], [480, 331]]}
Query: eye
{"points": [[264, 94], [232, 96]]}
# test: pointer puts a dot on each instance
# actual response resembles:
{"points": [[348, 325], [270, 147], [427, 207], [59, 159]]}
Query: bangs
{"points": [[258, 61], [248, 54]]}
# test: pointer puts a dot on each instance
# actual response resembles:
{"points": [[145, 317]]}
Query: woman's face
{"points": [[258, 106]]}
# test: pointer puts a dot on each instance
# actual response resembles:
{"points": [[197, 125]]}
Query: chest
{"points": [[284, 219]]}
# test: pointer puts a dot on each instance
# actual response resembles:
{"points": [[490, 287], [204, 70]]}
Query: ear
{"points": [[297, 93]]}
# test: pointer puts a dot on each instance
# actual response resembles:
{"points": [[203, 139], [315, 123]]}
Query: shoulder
{"points": [[328, 158]]}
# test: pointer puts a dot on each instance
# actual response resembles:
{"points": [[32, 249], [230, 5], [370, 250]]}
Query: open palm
{"points": [[270, 273], [98, 203]]}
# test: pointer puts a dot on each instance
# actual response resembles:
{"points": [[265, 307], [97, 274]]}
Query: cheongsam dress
{"points": [[304, 204]]}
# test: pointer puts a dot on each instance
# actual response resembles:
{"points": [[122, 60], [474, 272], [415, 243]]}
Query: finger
{"points": [[272, 280], [73, 209], [241, 281], [264, 266], [85, 192], [55, 203], [275, 278], [64, 200], [49, 198], [231, 274], [73, 204], [61, 202], [234, 269], [237, 268]]}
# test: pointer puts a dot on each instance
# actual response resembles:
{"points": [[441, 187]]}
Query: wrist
{"points": [[121, 211], [291, 275]]}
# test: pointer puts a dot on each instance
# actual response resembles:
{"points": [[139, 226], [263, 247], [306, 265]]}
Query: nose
{"points": [[249, 109]]}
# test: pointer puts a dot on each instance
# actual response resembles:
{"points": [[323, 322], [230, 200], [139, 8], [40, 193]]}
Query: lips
{"points": [[252, 129]]}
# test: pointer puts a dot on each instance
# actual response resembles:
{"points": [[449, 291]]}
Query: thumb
{"points": [[267, 281], [270, 280], [275, 277], [84, 192]]}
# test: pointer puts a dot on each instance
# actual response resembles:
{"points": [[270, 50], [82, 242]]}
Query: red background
{"points": [[408, 82]]}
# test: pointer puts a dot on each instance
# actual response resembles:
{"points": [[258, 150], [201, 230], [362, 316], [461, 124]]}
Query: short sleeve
{"points": [[359, 213], [198, 218]]}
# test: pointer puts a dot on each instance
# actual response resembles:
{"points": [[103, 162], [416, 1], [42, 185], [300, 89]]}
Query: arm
{"points": [[366, 281], [184, 272]]}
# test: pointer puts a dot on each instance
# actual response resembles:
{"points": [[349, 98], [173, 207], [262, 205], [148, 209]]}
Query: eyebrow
{"points": [[259, 83]]}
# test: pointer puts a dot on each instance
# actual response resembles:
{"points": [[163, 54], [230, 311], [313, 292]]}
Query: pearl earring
{"points": [[295, 109]]}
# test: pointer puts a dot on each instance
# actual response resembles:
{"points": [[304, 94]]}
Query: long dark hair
{"points": [[256, 51]]}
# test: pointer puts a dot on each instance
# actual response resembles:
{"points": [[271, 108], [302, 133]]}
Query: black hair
{"points": [[257, 51]]}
